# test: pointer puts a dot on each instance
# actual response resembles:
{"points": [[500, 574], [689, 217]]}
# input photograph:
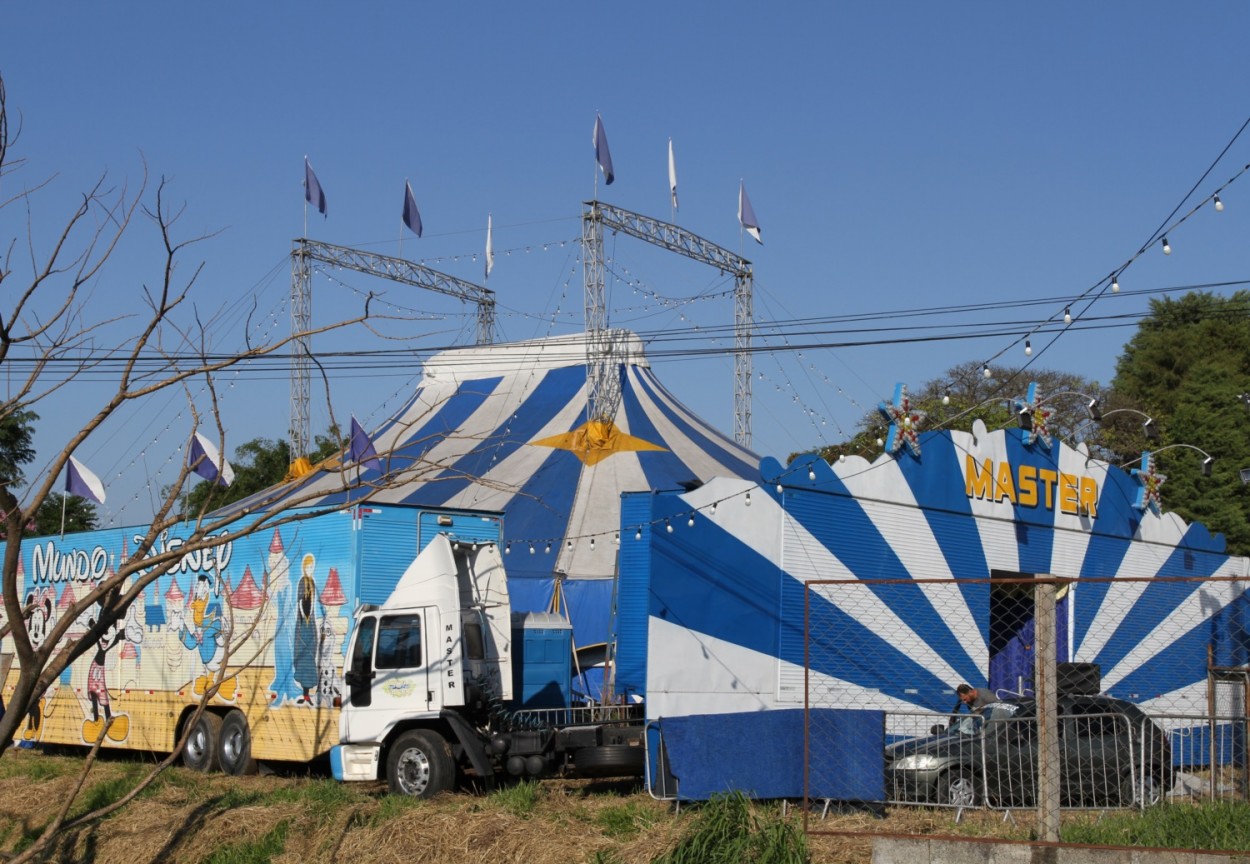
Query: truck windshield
{"points": [[399, 642]]}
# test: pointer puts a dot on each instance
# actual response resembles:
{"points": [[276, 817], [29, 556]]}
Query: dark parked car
{"points": [[1110, 754]]}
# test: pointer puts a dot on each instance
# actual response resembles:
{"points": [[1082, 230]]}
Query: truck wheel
{"points": [[235, 745], [200, 751], [419, 764], [609, 760]]}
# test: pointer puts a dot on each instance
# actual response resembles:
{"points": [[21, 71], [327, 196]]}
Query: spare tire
{"points": [[609, 760]]}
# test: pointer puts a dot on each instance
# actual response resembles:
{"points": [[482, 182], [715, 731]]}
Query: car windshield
{"points": [[969, 725]]}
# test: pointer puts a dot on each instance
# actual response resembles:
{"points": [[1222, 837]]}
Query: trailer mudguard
{"points": [[473, 746]]}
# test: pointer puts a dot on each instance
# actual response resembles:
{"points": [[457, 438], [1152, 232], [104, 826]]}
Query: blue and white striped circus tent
{"points": [[505, 427], [919, 561]]}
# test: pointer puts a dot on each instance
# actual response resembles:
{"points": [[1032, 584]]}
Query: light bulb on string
{"points": [[1028, 348], [638, 534], [1067, 315], [811, 474], [592, 544], [946, 396], [531, 548], [1115, 284], [547, 549], [668, 526], [985, 370], [1167, 248], [880, 442], [713, 508], [748, 499], [1219, 205], [690, 521], [841, 457], [569, 546]]}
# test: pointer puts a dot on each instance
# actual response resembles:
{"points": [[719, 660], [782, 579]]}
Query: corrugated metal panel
{"points": [[464, 525], [387, 542], [633, 593]]}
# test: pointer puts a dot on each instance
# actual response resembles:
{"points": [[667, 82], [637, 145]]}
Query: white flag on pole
{"points": [[490, 247], [672, 174]]}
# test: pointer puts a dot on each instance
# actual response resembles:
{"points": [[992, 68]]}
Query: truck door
{"points": [[388, 672]]}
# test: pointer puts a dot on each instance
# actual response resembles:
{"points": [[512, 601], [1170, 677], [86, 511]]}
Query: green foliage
{"points": [[963, 395], [262, 851], [258, 464], [1213, 825], [725, 831], [80, 515], [1186, 367], [17, 448], [519, 799]]}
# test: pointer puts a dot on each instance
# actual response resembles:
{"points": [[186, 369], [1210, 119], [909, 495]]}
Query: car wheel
{"points": [[235, 745], [958, 789], [201, 748], [419, 764]]}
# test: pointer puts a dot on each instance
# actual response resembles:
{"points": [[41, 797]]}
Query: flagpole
{"points": [[305, 196], [64, 497]]}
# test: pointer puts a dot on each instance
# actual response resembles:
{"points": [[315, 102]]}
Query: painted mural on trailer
{"points": [[275, 597], [718, 573]]}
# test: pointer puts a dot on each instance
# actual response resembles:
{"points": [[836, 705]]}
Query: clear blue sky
{"points": [[898, 156]]}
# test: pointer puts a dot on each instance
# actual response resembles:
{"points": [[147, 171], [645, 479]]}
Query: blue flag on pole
{"points": [[204, 459], [746, 214], [602, 155], [412, 216], [360, 450], [81, 482], [312, 189]]}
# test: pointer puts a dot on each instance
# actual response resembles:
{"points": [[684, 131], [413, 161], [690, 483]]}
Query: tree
{"points": [[79, 514], [17, 446], [1186, 367], [964, 395], [50, 333]]}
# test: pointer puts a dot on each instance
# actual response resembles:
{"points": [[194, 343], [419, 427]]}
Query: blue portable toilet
{"points": [[542, 651]]}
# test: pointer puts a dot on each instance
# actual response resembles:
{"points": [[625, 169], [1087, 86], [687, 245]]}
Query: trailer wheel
{"points": [[609, 760], [419, 763], [200, 751], [235, 745]]}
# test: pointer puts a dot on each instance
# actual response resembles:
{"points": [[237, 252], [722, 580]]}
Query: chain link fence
{"points": [[1081, 694]]}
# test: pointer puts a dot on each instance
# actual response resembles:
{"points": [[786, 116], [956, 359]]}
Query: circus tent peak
{"points": [[505, 427]]}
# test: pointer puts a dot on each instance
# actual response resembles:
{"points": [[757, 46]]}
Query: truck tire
{"points": [[234, 749], [202, 747], [609, 760], [419, 763]]}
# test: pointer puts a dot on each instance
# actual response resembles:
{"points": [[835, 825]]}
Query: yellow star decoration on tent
{"points": [[594, 441]]}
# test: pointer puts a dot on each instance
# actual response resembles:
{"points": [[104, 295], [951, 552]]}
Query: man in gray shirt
{"points": [[974, 698]]}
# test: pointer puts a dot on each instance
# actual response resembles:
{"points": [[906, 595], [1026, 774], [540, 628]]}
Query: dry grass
{"points": [[191, 817]]}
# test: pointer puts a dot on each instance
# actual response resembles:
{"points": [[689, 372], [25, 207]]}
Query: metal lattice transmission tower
{"points": [[603, 351], [305, 252]]}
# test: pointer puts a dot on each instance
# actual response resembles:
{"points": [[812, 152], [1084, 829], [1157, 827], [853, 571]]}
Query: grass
{"points": [[1221, 825], [519, 799], [729, 829], [625, 820], [189, 817], [261, 851]]}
